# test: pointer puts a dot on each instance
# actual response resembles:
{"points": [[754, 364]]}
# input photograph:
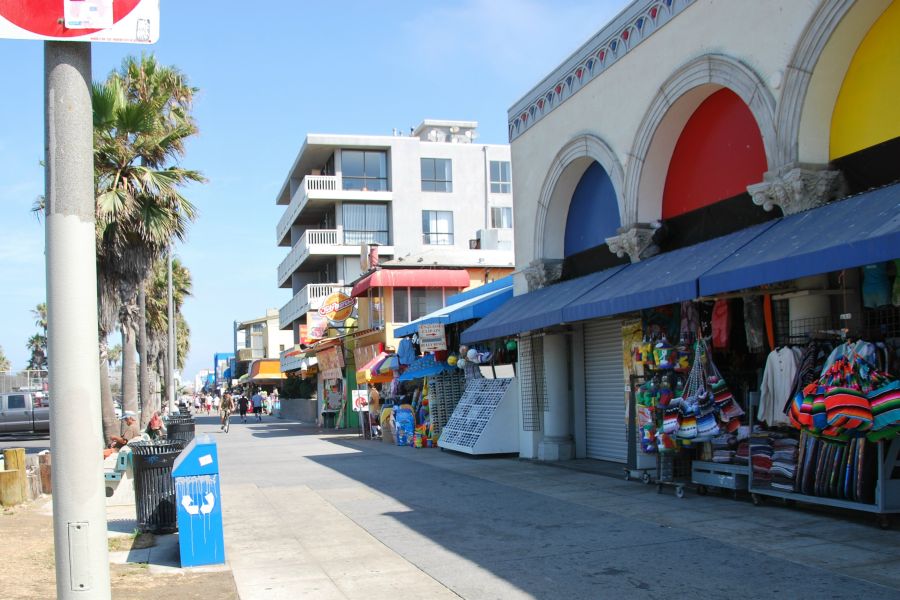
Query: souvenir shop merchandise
{"points": [[851, 399], [778, 380]]}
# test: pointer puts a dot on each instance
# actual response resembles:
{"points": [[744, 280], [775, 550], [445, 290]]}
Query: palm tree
{"points": [[113, 355], [37, 345], [157, 314], [141, 120], [4, 362], [40, 316]]}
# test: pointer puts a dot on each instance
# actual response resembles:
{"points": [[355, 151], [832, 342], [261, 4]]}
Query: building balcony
{"points": [[247, 354], [318, 191], [307, 299], [328, 243]]}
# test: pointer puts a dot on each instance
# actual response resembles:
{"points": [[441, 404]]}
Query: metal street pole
{"points": [[79, 504], [170, 367]]}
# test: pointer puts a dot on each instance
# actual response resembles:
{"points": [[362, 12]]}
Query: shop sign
{"points": [[338, 307], [331, 359], [432, 337], [291, 359], [316, 326], [121, 21], [360, 400]]}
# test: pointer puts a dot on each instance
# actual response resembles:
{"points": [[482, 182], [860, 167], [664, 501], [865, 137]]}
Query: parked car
{"points": [[24, 412]]}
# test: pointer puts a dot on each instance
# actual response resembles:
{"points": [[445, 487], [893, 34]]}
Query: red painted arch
{"points": [[718, 154]]}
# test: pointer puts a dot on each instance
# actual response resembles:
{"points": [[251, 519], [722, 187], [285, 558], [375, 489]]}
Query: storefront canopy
{"points": [[450, 278], [472, 308], [538, 309], [369, 371], [848, 233], [660, 280], [425, 366], [853, 232], [266, 370]]}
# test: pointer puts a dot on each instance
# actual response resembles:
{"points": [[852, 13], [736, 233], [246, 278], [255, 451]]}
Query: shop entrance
{"points": [[605, 432]]}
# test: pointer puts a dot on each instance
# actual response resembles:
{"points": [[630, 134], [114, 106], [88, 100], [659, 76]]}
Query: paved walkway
{"points": [[317, 515]]}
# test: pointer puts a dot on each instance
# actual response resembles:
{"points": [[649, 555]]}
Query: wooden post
{"points": [[14, 458], [46, 479], [10, 490]]}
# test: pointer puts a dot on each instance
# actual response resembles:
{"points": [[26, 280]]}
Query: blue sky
{"points": [[267, 77]]}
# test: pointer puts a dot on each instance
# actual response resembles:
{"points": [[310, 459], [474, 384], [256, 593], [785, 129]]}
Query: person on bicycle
{"points": [[225, 409]]}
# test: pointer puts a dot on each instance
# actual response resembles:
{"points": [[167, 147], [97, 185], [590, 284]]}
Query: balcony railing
{"points": [[310, 183], [308, 298], [300, 252], [325, 187]]}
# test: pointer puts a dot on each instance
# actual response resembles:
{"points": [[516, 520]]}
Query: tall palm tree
{"points": [[157, 314], [141, 121]]}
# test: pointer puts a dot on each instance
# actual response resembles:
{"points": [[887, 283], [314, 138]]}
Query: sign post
{"points": [[79, 499]]}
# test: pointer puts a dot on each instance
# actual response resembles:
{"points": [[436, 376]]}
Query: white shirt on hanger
{"points": [[778, 379]]}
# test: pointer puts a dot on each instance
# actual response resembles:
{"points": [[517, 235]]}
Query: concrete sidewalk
{"points": [[313, 514]]}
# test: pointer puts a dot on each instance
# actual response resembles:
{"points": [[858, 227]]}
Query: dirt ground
{"points": [[26, 543]]}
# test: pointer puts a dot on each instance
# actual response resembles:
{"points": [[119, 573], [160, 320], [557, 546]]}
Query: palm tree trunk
{"points": [[129, 370], [107, 406], [144, 379]]}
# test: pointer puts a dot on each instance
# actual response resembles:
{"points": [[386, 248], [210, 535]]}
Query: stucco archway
{"points": [[814, 76], [562, 178], [670, 110]]}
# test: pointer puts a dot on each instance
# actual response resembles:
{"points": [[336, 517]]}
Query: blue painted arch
{"points": [[593, 212]]}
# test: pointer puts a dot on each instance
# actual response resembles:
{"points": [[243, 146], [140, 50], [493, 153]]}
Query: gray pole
{"points": [[79, 504], [170, 367]]}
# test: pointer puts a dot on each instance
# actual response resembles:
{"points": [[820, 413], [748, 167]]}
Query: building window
{"points": [[501, 217], [376, 307], [437, 227], [501, 179], [364, 170], [437, 175], [365, 224], [413, 303]]}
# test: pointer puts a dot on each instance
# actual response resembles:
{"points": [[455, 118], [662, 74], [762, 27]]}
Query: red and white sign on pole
{"points": [[122, 21]]}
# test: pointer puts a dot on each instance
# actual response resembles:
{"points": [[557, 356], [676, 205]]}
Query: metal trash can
{"points": [[196, 477], [180, 427], [154, 489]]}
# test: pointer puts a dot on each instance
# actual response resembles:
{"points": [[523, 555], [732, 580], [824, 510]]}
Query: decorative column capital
{"points": [[797, 188], [542, 272], [635, 240]]}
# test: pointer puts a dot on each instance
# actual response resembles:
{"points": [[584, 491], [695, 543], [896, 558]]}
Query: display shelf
{"points": [[486, 419], [887, 486]]}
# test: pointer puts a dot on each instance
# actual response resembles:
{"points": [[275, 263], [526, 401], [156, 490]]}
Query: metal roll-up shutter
{"points": [[604, 397]]}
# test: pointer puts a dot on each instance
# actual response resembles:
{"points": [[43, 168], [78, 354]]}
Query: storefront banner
{"points": [[331, 358], [432, 337], [363, 354], [332, 374], [316, 325]]}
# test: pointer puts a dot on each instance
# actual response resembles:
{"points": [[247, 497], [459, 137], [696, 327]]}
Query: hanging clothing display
{"points": [[721, 324], [754, 324], [777, 384], [406, 352], [876, 286]]}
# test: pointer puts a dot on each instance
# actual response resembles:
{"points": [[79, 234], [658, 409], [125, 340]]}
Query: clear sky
{"points": [[269, 73]]}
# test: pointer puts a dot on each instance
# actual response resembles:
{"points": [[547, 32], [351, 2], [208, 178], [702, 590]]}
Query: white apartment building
{"points": [[436, 189], [259, 338]]}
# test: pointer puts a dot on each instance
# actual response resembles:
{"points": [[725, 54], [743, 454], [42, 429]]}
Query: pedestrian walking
{"points": [[196, 404], [257, 401], [243, 404], [217, 401], [207, 401]]}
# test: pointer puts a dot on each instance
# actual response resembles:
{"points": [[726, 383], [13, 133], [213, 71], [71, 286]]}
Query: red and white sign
{"points": [[122, 21], [338, 307]]}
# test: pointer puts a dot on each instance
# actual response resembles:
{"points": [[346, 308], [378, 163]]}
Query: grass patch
{"points": [[135, 541]]}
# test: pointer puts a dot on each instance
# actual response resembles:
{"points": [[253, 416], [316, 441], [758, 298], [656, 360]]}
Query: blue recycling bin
{"points": [[199, 503]]}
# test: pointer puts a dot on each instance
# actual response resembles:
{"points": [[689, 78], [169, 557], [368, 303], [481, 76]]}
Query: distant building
{"points": [[258, 338]]}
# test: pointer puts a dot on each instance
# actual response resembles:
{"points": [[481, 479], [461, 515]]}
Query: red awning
{"points": [[433, 278]]}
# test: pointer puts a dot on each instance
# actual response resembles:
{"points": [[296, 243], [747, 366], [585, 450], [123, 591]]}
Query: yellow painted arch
{"points": [[865, 113]]}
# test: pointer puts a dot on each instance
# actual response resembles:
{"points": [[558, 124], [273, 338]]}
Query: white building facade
{"points": [[345, 194], [705, 118]]}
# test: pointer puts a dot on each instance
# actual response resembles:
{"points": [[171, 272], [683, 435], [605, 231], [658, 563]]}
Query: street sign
{"points": [[122, 21]]}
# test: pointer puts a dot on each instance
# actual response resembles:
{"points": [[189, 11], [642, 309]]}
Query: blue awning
{"points": [[471, 308], [660, 280], [535, 310], [853, 232], [425, 366]]}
